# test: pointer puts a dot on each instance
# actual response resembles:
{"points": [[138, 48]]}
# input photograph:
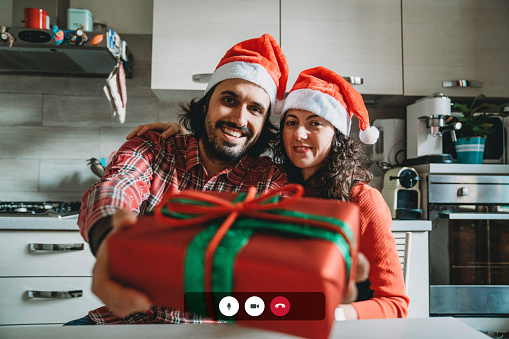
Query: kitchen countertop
{"points": [[411, 225], [415, 328], [23, 222], [463, 169], [34, 222]]}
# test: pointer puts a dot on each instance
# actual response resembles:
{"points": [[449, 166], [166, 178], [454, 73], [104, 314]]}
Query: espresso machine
{"points": [[426, 120], [401, 193]]}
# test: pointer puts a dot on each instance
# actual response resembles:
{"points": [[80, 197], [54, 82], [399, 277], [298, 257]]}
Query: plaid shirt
{"points": [[145, 168]]}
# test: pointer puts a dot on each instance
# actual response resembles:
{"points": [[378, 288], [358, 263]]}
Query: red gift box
{"points": [[159, 255]]}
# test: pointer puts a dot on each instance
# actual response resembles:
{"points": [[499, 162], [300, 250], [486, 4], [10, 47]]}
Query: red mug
{"points": [[36, 18]]}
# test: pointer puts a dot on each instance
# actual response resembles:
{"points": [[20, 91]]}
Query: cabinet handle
{"points": [[203, 77], [56, 247], [474, 216], [55, 294], [354, 80], [462, 83]]}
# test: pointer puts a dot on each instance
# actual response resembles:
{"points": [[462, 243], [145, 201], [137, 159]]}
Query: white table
{"points": [[416, 328]]}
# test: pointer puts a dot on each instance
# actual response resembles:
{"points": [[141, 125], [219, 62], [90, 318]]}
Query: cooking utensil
{"points": [[96, 167]]}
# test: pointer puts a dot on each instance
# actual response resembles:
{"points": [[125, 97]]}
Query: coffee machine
{"points": [[401, 193], [426, 120]]}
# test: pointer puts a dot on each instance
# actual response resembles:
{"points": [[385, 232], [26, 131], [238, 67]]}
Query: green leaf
{"points": [[464, 108]]}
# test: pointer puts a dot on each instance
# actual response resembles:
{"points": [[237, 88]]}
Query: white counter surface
{"points": [[38, 223], [417, 328], [70, 223], [411, 225], [463, 169]]}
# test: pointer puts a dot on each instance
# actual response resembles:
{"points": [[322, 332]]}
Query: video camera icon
{"points": [[254, 306]]}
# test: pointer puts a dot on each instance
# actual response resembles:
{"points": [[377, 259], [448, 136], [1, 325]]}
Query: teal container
{"points": [[471, 151]]}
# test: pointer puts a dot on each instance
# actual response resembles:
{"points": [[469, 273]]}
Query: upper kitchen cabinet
{"points": [[353, 38], [190, 38], [459, 42]]}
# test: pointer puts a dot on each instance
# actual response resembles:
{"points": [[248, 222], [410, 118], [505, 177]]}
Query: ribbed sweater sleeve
{"points": [[378, 245]]}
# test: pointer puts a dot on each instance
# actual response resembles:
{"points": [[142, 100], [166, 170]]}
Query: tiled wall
{"points": [[50, 126]]}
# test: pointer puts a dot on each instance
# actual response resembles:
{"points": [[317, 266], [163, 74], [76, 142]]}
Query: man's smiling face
{"points": [[236, 113]]}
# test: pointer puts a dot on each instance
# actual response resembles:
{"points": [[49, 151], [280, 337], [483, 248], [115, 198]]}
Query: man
{"points": [[229, 131]]}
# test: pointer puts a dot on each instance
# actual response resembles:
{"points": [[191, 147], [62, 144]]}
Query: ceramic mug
{"points": [[36, 18]]}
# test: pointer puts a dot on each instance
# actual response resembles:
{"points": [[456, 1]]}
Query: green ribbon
{"points": [[235, 240]]}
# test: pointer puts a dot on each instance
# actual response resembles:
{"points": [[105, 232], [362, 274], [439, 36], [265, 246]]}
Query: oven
{"points": [[468, 244]]}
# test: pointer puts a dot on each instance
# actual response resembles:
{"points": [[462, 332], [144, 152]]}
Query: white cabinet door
{"points": [[44, 254], [456, 40], [190, 37], [353, 38], [18, 307]]}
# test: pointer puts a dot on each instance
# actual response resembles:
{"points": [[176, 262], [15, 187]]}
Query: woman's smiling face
{"points": [[307, 138]]}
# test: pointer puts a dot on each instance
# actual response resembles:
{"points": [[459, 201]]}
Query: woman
{"points": [[316, 150]]}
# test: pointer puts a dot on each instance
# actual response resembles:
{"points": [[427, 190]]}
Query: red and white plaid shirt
{"points": [[145, 168]]}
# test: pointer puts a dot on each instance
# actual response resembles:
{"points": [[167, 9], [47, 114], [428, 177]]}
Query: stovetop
{"points": [[50, 208]]}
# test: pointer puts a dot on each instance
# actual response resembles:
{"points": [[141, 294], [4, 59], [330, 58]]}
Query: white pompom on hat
{"points": [[260, 61], [323, 92]]}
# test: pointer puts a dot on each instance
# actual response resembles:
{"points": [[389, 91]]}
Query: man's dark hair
{"points": [[193, 119]]}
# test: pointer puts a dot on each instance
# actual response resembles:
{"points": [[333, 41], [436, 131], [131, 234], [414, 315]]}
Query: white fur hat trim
{"points": [[369, 135], [252, 72], [321, 104]]}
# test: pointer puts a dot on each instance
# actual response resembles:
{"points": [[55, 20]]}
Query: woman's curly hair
{"points": [[342, 170], [193, 119]]}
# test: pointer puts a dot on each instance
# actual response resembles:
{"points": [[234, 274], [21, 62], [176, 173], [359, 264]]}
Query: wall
{"points": [[114, 12], [50, 126]]}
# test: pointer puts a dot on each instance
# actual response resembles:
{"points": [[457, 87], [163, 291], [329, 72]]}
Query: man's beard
{"points": [[224, 151]]}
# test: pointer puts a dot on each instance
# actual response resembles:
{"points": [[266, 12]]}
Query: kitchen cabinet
{"points": [[190, 37], [353, 38], [34, 269], [397, 47], [418, 280], [456, 40]]}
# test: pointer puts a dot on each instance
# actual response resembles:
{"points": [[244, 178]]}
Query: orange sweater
{"points": [[378, 245]]}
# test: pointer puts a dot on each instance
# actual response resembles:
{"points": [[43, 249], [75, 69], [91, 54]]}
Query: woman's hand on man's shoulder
{"points": [[167, 128]]}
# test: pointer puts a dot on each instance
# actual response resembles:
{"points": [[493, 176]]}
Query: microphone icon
{"points": [[228, 306]]}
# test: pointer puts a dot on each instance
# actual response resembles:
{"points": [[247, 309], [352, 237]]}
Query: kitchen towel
{"points": [[116, 92]]}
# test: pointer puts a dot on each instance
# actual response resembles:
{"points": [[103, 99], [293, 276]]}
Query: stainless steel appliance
{"points": [[426, 120], [469, 242], [35, 51]]}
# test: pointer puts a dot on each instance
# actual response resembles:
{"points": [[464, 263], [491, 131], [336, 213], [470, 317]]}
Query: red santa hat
{"points": [[260, 61], [323, 92]]}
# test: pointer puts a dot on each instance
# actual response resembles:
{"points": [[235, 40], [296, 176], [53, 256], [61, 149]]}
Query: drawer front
{"points": [[18, 308], [53, 253]]}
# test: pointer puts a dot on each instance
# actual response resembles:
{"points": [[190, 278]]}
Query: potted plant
{"points": [[475, 127]]}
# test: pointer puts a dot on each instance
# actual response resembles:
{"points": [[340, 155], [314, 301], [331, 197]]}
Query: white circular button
{"points": [[229, 306], [254, 306]]}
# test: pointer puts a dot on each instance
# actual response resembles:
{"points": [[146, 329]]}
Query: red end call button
{"points": [[280, 306]]}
